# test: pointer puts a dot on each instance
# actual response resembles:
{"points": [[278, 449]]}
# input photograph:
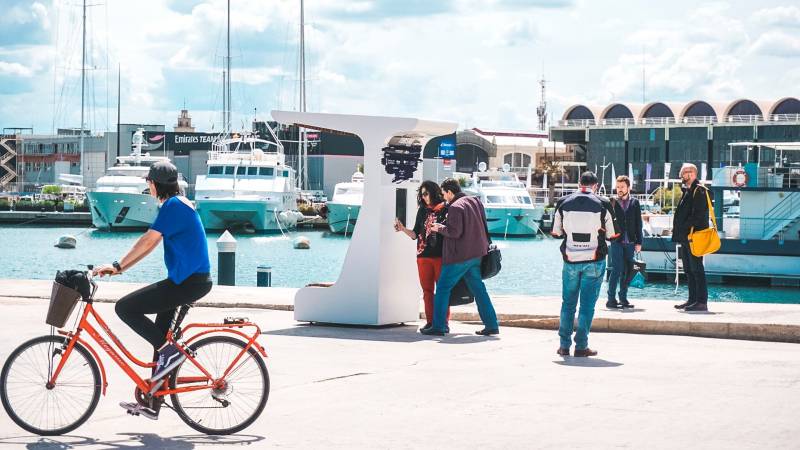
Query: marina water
{"points": [[530, 266]]}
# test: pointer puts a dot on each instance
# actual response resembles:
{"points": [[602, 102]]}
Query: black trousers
{"points": [[163, 299], [695, 275]]}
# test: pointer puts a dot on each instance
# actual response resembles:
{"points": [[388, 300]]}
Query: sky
{"points": [[475, 62]]}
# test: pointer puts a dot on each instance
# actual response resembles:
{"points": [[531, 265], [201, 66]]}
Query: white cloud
{"points": [[777, 43], [783, 16], [15, 69]]}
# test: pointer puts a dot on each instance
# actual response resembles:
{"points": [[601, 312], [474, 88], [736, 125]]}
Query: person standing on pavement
{"points": [[692, 212], [466, 241], [585, 221], [628, 214], [431, 209]]}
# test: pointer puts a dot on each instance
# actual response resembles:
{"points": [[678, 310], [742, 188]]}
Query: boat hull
{"points": [[735, 258], [122, 211], [511, 221], [342, 217], [223, 214]]}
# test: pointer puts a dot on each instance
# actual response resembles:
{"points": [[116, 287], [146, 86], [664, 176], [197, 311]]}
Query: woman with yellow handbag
{"points": [[690, 229]]}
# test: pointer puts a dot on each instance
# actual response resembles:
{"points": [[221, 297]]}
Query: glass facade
{"points": [[646, 146], [606, 146], [687, 144], [722, 154]]}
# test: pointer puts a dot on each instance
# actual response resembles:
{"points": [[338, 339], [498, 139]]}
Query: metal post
{"points": [[226, 260], [264, 276]]}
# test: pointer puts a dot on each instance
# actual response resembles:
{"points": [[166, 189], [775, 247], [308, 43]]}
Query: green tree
{"points": [[51, 189]]}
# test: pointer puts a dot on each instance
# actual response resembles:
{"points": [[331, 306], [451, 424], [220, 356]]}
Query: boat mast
{"points": [[228, 65], [119, 107], [303, 164], [83, 84]]}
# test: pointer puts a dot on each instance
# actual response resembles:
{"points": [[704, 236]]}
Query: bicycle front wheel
{"points": [[229, 409], [49, 410]]}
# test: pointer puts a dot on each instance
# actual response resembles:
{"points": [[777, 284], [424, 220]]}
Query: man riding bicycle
{"points": [[188, 268]]}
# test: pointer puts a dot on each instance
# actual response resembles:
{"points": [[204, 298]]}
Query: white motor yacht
{"points": [[122, 199], [248, 186], [509, 208], [346, 203]]}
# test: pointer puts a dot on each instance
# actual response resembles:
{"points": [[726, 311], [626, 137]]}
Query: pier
{"points": [[45, 218]]}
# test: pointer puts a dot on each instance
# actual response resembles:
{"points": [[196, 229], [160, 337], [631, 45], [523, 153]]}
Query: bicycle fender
{"points": [[104, 380]]}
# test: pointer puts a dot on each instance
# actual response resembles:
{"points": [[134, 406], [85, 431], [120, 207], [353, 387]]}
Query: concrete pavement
{"points": [[751, 321], [342, 387]]}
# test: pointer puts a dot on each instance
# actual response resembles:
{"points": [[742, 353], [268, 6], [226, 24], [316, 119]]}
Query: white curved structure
{"points": [[378, 284], [692, 112]]}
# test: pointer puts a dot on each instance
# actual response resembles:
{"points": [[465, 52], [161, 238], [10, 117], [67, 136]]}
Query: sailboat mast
{"points": [[83, 84], [303, 144], [228, 65], [119, 102]]}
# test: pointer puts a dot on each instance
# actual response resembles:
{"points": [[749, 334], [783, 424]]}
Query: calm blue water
{"points": [[530, 266]]}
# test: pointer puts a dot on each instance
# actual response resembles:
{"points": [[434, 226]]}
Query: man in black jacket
{"points": [[628, 215], [691, 213]]}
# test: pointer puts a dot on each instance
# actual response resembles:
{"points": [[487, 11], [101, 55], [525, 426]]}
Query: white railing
{"points": [[577, 123], [700, 119], [657, 120], [785, 118], [745, 119]]}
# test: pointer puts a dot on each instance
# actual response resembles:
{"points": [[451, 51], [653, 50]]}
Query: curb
{"points": [[717, 330]]}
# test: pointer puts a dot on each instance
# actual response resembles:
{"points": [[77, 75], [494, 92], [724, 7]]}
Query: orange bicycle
{"points": [[51, 384]]}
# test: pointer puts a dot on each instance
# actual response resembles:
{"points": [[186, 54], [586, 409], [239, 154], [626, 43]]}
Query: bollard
{"points": [[264, 276], [226, 260]]}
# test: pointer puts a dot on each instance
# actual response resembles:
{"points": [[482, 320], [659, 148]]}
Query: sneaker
{"points": [[168, 358], [625, 304], [612, 304], [136, 409]]}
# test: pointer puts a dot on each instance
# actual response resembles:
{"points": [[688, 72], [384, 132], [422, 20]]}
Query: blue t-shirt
{"points": [[185, 244]]}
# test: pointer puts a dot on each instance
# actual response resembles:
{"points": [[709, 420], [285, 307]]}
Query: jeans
{"points": [[621, 265], [470, 270], [695, 275], [579, 280]]}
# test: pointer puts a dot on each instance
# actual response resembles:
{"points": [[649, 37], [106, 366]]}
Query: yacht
{"points": [[122, 199], [248, 186], [344, 207], [510, 211]]}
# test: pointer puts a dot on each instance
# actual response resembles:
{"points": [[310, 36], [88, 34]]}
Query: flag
{"points": [[648, 171], [703, 170]]}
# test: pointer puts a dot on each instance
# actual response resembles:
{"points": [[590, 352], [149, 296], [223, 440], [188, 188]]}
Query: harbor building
{"points": [[621, 136]]}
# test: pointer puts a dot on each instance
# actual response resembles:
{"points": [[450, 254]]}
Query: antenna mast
{"points": [[541, 110]]}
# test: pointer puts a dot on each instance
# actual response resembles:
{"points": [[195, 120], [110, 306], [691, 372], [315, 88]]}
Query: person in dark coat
{"points": [[692, 212], [466, 241], [628, 216]]}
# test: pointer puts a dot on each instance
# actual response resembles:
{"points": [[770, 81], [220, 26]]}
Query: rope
{"points": [[347, 224], [278, 222]]}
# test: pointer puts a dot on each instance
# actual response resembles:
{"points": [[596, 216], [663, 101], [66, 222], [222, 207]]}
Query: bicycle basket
{"points": [[62, 302]]}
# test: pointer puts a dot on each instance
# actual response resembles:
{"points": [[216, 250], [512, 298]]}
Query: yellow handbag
{"points": [[705, 242]]}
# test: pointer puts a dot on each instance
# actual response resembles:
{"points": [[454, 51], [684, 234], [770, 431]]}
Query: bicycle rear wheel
{"points": [[228, 410], [49, 411]]}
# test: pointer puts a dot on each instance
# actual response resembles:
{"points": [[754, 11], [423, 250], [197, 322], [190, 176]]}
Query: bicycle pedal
{"points": [[235, 320]]}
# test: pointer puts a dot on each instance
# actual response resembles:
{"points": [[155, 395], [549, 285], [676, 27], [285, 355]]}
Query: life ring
{"points": [[740, 178]]}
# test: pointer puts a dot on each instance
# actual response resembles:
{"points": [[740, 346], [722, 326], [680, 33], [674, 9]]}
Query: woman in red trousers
{"points": [[431, 210]]}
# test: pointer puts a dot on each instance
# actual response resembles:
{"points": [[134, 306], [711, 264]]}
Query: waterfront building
{"points": [[645, 137], [184, 123]]}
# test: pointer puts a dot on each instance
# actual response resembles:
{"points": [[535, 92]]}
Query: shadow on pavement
{"points": [[403, 333], [128, 441], [626, 310], [586, 362]]}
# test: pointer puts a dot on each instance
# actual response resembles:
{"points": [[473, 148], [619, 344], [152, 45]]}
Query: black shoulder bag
{"points": [[490, 263]]}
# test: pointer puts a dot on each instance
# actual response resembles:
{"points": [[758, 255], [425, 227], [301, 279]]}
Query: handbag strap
{"points": [[710, 211]]}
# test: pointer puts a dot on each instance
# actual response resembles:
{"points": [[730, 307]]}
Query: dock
{"points": [[46, 218]]}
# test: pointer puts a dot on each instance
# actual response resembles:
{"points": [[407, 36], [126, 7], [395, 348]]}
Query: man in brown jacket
{"points": [[465, 243]]}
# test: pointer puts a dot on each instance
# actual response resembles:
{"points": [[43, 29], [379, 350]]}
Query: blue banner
{"points": [[447, 149]]}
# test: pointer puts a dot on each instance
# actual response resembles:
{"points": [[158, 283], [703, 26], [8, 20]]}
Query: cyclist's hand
{"points": [[105, 269]]}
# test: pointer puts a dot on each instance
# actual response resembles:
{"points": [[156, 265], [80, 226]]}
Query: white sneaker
{"points": [[136, 409]]}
